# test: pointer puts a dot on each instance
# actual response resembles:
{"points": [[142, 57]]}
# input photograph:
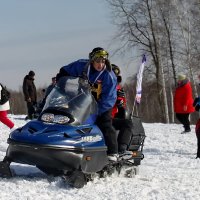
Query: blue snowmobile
{"points": [[64, 140]]}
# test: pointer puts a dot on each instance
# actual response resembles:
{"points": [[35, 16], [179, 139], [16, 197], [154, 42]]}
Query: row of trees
{"points": [[150, 108], [168, 33]]}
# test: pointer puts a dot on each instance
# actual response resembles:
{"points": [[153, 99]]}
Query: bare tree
{"points": [[139, 25], [186, 30]]}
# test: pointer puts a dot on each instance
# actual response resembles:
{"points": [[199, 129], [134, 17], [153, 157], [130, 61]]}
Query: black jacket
{"points": [[29, 89]]}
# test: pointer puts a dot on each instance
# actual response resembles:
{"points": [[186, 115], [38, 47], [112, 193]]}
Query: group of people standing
{"points": [[30, 96], [30, 93]]}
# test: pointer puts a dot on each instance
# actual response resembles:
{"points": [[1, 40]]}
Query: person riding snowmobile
{"points": [[119, 109], [98, 72], [120, 123]]}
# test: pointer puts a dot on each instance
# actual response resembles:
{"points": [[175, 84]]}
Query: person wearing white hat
{"points": [[183, 102]]}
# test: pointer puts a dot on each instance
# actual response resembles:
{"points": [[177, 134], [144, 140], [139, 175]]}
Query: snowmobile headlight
{"points": [[58, 119], [47, 117], [61, 119]]}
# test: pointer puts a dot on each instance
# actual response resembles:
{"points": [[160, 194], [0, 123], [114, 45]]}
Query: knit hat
{"points": [[31, 73], [181, 77]]}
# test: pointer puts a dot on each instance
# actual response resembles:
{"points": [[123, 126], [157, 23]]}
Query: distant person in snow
{"points": [[98, 71], [183, 102], [50, 87], [30, 95], [196, 104], [3, 113], [46, 92]]}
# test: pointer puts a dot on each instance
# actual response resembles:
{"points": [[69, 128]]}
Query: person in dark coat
{"points": [[196, 104], [50, 87], [183, 102], [97, 70], [197, 130], [46, 92], [30, 94]]}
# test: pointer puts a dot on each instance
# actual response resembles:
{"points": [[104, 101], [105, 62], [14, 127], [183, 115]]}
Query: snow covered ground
{"points": [[169, 171]]}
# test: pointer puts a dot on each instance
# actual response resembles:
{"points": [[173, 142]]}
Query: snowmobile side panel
{"points": [[64, 159], [94, 161]]}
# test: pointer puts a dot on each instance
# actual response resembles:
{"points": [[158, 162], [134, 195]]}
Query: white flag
{"points": [[139, 81]]}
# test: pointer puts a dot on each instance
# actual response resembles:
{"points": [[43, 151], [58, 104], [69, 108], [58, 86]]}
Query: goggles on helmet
{"points": [[100, 54], [99, 60]]}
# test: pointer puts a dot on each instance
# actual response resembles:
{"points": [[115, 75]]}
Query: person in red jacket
{"points": [[4, 107], [183, 102], [119, 109]]}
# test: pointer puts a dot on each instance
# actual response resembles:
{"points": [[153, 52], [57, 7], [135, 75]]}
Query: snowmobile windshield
{"points": [[70, 97]]}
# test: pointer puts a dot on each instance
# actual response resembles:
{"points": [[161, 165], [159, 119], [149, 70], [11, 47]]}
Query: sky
{"points": [[44, 35], [169, 171]]}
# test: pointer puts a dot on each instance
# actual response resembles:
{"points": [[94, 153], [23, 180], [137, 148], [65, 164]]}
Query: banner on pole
{"points": [[139, 81]]}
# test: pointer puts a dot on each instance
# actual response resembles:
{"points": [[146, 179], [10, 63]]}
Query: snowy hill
{"points": [[169, 171]]}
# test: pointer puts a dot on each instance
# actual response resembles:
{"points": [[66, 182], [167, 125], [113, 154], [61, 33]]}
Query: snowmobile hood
{"points": [[40, 133]]}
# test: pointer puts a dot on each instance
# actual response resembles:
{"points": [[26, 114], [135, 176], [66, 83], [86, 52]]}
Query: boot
{"points": [[113, 157]]}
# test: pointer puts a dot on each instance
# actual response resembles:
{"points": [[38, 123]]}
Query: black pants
{"points": [[198, 146], [31, 109], [104, 122], [197, 130], [183, 118], [125, 128]]}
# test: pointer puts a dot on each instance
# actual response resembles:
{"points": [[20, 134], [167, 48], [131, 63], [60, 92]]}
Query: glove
{"points": [[120, 93], [120, 103]]}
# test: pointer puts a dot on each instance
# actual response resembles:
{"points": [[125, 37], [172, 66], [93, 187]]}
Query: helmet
{"points": [[97, 53], [116, 69]]}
